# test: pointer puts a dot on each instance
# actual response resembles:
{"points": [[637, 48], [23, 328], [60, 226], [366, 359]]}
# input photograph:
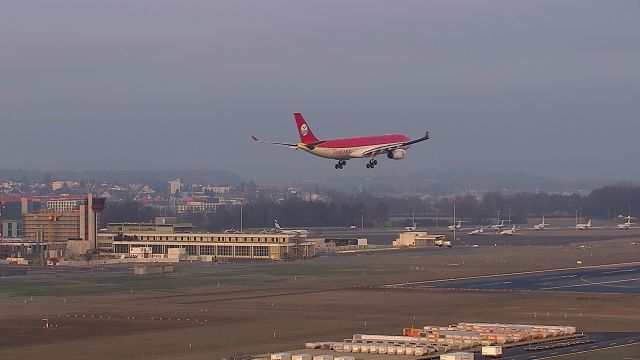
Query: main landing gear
{"points": [[372, 163], [341, 164]]}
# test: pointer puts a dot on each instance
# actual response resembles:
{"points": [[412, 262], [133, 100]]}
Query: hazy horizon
{"points": [[546, 88]]}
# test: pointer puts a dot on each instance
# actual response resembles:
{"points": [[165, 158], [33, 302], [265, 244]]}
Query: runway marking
{"points": [[588, 283], [588, 351], [509, 274], [497, 283], [617, 271], [558, 277]]}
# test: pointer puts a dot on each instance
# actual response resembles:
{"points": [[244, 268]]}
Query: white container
{"points": [[355, 348], [373, 349], [346, 347], [408, 350], [457, 356], [281, 356], [301, 357], [400, 350], [344, 358], [391, 350], [364, 349], [323, 357], [418, 351], [492, 351], [382, 349]]}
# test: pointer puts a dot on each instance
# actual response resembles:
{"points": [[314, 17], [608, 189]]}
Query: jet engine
{"points": [[397, 154]]}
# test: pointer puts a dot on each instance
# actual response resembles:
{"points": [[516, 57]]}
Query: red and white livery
{"points": [[394, 146]]}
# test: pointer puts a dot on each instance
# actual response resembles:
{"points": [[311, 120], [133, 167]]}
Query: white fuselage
{"points": [[345, 153]]}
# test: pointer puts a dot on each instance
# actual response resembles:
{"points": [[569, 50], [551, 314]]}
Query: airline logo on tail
{"points": [[304, 130]]}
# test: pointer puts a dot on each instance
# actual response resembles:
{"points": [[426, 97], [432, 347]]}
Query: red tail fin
{"points": [[306, 135]]}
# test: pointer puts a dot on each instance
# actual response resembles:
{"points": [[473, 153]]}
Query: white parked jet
{"points": [[456, 227], [280, 230], [627, 224], [540, 226], [477, 231], [511, 231], [586, 226], [498, 227]]}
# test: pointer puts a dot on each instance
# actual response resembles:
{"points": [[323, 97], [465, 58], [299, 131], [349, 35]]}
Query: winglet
{"points": [[426, 135], [254, 138]]}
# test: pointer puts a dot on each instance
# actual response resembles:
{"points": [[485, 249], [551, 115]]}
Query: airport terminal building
{"points": [[166, 240]]}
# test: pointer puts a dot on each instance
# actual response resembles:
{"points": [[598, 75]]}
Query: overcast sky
{"points": [[547, 87]]}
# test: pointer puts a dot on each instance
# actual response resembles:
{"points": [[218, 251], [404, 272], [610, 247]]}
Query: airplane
{"points": [[626, 225], [478, 231], [586, 226], [511, 231], [456, 227], [498, 227], [394, 146], [540, 226], [410, 228], [280, 230]]}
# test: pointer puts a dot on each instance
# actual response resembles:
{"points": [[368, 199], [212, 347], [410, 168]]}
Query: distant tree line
{"points": [[345, 210]]}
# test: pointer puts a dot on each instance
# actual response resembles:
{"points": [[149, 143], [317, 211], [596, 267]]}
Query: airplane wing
{"points": [[386, 148], [293, 146], [310, 146], [425, 137]]}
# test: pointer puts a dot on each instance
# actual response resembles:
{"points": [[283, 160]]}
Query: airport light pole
{"points": [[454, 200], [362, 219], [241, 215]]}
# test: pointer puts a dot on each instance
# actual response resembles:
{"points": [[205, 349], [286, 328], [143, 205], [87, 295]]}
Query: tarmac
{"points": [[614, 278]]}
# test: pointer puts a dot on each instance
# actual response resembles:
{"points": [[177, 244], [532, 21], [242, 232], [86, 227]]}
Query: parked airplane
{"points": [[456, 227], [586, 226], [511, 231], [498, 227], [280, 230], [411, 228], [628, 224], [478, 231], [540, 226], [394, 146]]}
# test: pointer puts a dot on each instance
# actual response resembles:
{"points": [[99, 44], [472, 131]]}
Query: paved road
{"points": [[603, 280], [601, 341], [613, 278]]}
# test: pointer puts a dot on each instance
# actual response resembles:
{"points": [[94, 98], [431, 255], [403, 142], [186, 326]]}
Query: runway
{"points": [[601, 341], [619, 279]]}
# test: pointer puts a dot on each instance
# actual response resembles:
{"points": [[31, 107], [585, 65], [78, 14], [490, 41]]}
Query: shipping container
{"points": [[457, 356], [281, 356], [323, 357], [301, 357], [492, 351]]}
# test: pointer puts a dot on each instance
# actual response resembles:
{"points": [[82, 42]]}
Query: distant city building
{"points": [[207, 207], [80, 223], [217, 189], [58, 185], [63, 205], [174, 186]]}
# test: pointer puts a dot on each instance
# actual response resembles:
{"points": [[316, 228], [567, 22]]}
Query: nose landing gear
{"points": [[341, 164]]}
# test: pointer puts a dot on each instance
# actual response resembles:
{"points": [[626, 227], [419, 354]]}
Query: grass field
{"points": [[204, 311]]}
